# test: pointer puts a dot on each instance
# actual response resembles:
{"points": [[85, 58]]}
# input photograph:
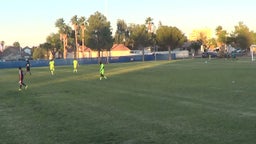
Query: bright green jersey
{"points": [[51, 64], [102, 68], [75, 63]]}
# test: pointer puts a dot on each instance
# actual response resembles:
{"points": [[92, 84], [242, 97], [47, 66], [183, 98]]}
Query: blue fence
{"points": [[59, 62]]}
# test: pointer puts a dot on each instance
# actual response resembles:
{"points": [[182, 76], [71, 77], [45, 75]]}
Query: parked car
{"points": [[209, 53], [240, 52]]}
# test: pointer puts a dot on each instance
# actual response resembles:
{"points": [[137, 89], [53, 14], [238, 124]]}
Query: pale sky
{"points": [[30, 21]]}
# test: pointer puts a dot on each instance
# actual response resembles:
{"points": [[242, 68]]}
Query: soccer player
{"points": [[28, 67], [102, 71], [75, 64], [51, 65], [21, 77]]}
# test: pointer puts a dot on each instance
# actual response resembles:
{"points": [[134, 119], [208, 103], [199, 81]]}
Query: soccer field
{"points": [[158, 102]]}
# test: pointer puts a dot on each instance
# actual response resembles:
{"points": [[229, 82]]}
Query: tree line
{"points": [[96, 33]]}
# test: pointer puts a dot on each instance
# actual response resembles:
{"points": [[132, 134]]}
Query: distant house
{"points": [[27, 52], [119, 50], [11, 53], [86, 52]]}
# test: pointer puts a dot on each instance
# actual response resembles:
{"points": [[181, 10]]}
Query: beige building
{"points": [[119, 50], [116, 50]]}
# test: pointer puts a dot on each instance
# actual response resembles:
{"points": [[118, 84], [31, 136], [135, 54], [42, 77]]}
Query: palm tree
{"points": [[63, 30], [149, 23], [2, 46], [64, 39], [74, 21], [82, 23]]}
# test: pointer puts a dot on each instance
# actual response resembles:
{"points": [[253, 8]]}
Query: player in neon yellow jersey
{"points": [[75, 64], [102, 71], [51, 65]]}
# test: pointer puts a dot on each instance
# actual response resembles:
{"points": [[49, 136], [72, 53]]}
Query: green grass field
{"points": [[162, 102]]}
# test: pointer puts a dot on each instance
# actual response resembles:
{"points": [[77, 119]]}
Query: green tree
{"points": [[151, 30], [46, 46], [231, 40], [82, 23], [121, 34], [64, 32], [63, 27], [39, 53], [150, 24], [196, 45], [53, 44], [98, 35], [221, 35], [140, 37], [2, 44], [170, 37], [243, 36], [16, 44]]}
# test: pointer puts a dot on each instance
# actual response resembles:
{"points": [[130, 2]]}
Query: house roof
{"points": [[87, 49], [119, 47], [26, 47]]}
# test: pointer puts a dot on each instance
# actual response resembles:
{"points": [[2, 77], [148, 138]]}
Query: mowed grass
{"points": [[162, 102]]}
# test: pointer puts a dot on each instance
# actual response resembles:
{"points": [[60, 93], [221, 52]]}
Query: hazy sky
{"points": [[30, 21]]}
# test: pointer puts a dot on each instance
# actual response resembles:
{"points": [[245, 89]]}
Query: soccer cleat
{"points": [[26, 87], [19, 89]]}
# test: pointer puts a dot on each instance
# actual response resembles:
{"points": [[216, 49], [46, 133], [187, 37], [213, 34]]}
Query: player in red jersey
{"points": [[21, 77]]}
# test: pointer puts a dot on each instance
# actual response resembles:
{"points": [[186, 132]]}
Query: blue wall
{"points": [[40, 63]]}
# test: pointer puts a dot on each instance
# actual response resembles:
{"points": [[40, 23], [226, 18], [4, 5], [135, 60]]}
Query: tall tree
{"points": [[150, 24], [53, 44], [170, 37], [243, 36], [46, 46], [64, 32], [151, 30], [82, 23], [39, 53], [2, 46], [121, 34], [98, 35], [74, 21], [140, 37], [221, 35], [17, 45]]}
